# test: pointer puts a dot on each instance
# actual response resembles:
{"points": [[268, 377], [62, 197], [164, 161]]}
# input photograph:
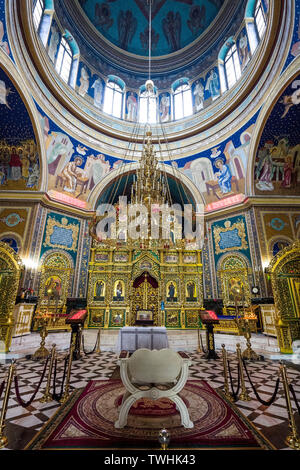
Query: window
{"points": [[38, 13], [64, 60], [260, 19], [113, 99], [148, 108], [182, 98], [232, 66]]}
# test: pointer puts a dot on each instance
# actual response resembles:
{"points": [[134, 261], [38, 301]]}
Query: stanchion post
{"points": [[67, 386], [47, 397], [98, 350], [199, 349], [228, 395], [42, 352], [293, 440], [3, 438], [244, 396]]}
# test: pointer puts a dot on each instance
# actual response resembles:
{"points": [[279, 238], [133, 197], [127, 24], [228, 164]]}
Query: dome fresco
{"points": [[175, 23]]}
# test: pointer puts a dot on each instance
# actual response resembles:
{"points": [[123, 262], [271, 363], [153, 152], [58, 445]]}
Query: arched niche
{"points": [[233, 272], [11, 268], [190, 192], [56, 274], [32, 173], [284, 271]]}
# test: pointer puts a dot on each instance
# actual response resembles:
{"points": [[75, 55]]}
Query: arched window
{"points": [[148, 107], [260, 19], [256, 22], [38, 13], [42, 18], [64, 60], [232, 66], [182, 100], [113, 99]]}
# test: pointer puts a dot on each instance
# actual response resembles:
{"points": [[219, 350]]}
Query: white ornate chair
{"points": [[153, 374]]}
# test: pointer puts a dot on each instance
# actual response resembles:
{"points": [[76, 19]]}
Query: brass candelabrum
{"points": [[243, 324], [248, 353], [42, 352]]}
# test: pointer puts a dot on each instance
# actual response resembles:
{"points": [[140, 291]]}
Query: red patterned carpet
{"points": [[86, 421]]}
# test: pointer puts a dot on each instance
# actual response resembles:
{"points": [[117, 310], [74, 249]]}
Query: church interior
{"points": [[149, 225]]}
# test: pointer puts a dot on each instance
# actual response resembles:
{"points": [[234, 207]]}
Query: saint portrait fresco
{"points": [[277, 164]]}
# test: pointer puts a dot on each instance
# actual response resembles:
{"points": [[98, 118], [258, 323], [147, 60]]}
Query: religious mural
{"points": [[164, 107], [243, 48], [126, 26], [73, 169], [90, 86], [19, 159], [219, 173], [198, 95], [131, 110], [277, 164]]}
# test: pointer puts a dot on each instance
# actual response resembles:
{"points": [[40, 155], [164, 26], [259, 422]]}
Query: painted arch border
{"points": [[284, 81], [14, 75], [128, 167]]}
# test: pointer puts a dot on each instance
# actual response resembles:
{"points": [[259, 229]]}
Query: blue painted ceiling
{"points": [[15, 122], [175, 23]]}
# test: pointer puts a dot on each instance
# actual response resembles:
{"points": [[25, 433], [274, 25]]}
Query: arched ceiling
{"points": [[175, 23], [184, 32]]}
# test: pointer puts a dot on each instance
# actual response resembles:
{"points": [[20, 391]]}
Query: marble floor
{"points": [[23, 423]]}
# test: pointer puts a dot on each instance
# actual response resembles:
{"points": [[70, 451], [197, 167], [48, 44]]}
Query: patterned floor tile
{"points": [[22, 424]]}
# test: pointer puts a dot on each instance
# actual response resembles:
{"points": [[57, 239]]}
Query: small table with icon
{"points": [[76, 319], [209, 319]]}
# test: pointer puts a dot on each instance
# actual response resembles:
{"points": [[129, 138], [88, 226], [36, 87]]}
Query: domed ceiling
{"points": [[175, 23]]}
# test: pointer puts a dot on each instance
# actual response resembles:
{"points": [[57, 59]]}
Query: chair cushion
{"points": [[154, 366]]}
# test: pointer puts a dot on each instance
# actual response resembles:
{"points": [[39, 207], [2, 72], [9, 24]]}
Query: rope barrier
{"points": [[263, 402], [21, 402], [294, 396], [234, 394], [93, 350], [2, 388], [55, 396]]}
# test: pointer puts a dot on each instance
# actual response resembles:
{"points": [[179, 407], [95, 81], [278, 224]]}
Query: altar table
{"points": [[132, 338]]}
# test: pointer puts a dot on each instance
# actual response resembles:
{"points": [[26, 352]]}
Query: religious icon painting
{"points": [[53, 288], [171, 291], [191, 292], [99, 290], [119, 291]]}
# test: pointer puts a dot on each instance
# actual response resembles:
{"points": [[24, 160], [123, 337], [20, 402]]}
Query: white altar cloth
{"points": [[137, 337]]}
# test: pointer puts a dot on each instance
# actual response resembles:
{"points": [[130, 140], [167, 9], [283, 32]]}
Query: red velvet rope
{"points": [[23, 403], [263, 402], [2, 388]]}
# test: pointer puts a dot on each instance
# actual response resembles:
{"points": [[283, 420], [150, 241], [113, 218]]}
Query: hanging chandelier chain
{"points": [[150, 36]]}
